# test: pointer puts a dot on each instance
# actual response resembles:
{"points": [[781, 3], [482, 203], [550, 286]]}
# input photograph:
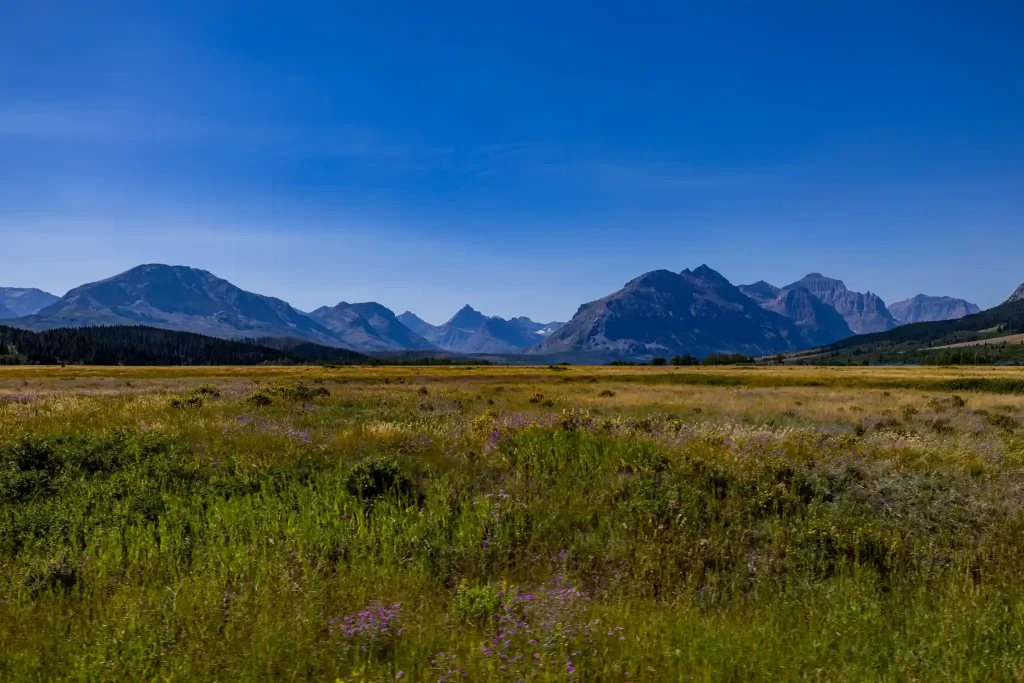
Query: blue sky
{"points": [[522, 157]]}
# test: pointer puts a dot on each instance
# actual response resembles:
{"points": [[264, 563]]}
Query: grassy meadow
{"points": [[507, 524]]}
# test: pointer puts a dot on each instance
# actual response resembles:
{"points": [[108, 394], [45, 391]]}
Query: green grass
{"points": [[154, 528]]}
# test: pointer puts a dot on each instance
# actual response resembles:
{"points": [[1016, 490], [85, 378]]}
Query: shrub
{"points": [[260, 397], [187, 401], [194, 398], [300, 392], [1005, 422], [206, 390], [476, 604], [606, 393], [375, 477]]}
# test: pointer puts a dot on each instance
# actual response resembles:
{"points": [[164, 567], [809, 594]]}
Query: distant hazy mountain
{"points": [[819, 324], [370, 327], [24, 301], [415, 323], [864, 313], [662, 313], [1018, 295], [539, 329], [6, 313], [761, 291], [178, 298], [923, 309], [470, 331]]}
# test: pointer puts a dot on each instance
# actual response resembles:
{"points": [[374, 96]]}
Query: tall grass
{"points": [[442, 524]]}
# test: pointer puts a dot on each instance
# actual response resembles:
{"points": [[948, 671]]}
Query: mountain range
{"points": [[700, 312], [696, 312], [192, 300], [471, 332]]}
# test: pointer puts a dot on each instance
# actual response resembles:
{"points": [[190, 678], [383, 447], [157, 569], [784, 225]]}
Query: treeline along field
{"points": [[505, 524]]}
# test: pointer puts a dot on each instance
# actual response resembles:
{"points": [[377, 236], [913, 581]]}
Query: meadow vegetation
{"points": [[506, 524]]}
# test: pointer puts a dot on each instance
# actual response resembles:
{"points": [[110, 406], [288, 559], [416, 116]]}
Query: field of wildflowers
{"points": [[511, 524]]}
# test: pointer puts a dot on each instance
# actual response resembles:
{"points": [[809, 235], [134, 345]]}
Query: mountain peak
{"points": [[654, 278], [416, 323], [468, 319], [705, 272], [1018, 295], [761, 291], [812, 280]]}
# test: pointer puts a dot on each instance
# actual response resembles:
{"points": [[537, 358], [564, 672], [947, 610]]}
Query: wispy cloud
{"points": [[568, 165], [126, 128]]}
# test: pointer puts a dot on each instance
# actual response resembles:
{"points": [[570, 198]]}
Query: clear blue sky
{"points": [[522, 157]]}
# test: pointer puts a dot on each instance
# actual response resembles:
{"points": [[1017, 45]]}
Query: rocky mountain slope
{"points": [[818, 323], [415, 323], [864, 313]]}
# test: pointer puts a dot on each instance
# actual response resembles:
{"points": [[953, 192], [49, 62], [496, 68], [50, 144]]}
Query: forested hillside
{"points": [[137, 345], [929, 342]]}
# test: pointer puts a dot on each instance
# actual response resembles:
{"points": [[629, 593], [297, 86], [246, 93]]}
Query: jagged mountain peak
{"points": [[705, 272], [416, 324], [761, 291], [467, 318]]}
